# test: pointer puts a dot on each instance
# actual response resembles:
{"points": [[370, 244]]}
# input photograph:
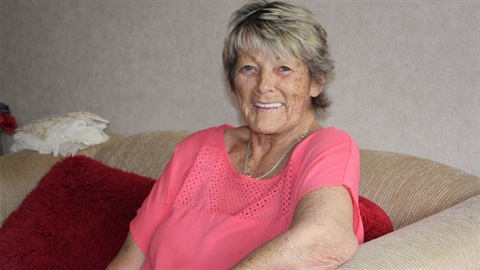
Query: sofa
{"points": [[434, 208]]}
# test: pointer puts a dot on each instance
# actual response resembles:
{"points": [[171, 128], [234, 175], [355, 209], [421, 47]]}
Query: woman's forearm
{"points": [[292, 250], [321, 235]]}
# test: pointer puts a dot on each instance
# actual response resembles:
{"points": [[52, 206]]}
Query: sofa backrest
{"points": [[144, 154], [408, 188]]}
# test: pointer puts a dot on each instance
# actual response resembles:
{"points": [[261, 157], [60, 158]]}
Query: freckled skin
{"points": [[268, 80]]}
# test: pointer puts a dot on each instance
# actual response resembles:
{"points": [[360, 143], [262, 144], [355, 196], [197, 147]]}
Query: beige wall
{"points": [[407, 77]]}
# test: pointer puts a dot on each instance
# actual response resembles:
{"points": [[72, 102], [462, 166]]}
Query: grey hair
{"points": [[279, 29]]}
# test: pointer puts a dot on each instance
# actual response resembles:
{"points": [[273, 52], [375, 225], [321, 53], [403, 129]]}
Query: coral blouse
{"points": [[202, 213]]}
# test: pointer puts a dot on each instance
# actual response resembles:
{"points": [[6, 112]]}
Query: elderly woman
{"points": [[279, 192]]}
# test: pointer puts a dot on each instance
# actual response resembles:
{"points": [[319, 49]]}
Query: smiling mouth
{"points": [[268, 105]]}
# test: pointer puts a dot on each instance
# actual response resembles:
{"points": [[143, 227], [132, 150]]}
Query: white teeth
{"points": [[268, 105]]}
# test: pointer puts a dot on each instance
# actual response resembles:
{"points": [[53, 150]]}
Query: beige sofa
{"points": [[435, 209]]}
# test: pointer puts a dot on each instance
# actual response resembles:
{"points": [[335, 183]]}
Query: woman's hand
{"points": [[321, 235], [129, 257]]}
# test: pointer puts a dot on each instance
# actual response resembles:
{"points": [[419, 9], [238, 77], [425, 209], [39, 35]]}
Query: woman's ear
{"points": [[317, 87]]}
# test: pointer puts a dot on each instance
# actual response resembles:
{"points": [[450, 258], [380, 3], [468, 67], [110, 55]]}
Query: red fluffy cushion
{"points": [[76, 218], [375, 221]]}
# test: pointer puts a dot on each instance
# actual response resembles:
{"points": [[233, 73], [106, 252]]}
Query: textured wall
{"points": [[407, 77]]}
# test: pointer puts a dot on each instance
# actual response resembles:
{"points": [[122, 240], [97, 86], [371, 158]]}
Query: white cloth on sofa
{"points": [[61, 134]]}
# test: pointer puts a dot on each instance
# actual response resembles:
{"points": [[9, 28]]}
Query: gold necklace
{"points": [[247, 153]]}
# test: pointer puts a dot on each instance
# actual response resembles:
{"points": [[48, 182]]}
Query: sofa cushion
{"points": [[375, 220], [76, 218]]}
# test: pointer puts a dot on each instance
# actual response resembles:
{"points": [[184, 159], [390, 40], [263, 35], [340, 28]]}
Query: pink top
{"points": [[202, 213]]}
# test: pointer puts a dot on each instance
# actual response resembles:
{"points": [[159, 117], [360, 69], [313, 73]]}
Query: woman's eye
{"points": [[284, 69], [247, 69]]}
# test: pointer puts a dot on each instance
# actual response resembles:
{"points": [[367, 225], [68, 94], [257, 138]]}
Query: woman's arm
{"points": [[130, 256], [321, 235]]}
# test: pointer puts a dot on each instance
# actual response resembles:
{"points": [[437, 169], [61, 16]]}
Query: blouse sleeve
{"points": [[331, 159], [152, 211], [155, 208]]}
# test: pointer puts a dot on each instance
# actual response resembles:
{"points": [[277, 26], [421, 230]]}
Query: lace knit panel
{"points": [[212, 185]]}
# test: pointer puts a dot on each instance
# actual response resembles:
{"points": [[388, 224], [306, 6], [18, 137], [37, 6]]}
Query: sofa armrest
{"points": [[449, 239], [21, 172], [410, 188]]}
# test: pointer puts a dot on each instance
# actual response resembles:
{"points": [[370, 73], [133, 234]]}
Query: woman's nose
{"points": [[266, 82]]}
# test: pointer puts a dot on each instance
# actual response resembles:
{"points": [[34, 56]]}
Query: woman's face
{"points": [[274, 94]]}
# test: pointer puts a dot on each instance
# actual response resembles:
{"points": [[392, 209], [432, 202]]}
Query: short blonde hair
{"points": [[279, 29]]}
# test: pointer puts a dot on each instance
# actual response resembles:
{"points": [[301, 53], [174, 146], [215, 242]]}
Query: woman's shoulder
{"points": [[330, 147], [212, 135], [331, 134], [329, 139]]}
